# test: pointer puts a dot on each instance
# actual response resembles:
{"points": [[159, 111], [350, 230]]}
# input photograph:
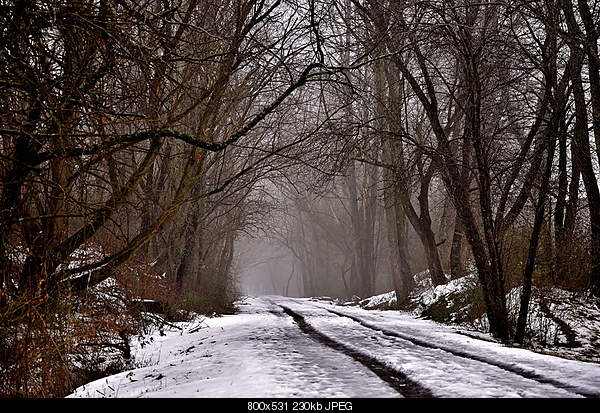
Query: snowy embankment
{"points": [[261, 352], [559, 322]]}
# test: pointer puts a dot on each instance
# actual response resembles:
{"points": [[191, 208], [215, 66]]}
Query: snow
{"points": [[426, 294], [543, 333], [377, 301], [261, 352], [256, 353], [575, 375], [575, 310]]}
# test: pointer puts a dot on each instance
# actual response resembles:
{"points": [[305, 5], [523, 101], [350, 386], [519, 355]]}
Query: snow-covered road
{"points": [[284, 347]]}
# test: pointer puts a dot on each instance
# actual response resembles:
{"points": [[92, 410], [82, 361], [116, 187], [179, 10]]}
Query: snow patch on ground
{"points": [[385, 300]]}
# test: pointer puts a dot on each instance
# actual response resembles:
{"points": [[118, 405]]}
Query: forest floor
{"points": [[288, 347]]}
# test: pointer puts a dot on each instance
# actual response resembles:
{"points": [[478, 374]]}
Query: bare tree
{"points": [[79, 141]]}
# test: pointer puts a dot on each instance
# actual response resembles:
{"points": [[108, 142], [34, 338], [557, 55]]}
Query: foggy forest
{"points": [[163, 160]]}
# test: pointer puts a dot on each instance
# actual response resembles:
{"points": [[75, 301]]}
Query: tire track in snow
{"points": [[395, 379], [504, 366]]}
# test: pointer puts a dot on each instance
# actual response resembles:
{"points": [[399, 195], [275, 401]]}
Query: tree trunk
{"points": [[402, 278], [456, 264], [533, 243]]}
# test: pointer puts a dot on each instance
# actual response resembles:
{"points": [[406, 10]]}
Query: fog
{"points": [[265, 268], [331, 243]]}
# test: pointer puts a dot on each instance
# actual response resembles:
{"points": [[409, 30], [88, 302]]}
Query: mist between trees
{"points": [[143, 143]]}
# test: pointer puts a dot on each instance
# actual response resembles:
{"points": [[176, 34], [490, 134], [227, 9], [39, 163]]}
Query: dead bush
{"points": [[51, 345]]}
